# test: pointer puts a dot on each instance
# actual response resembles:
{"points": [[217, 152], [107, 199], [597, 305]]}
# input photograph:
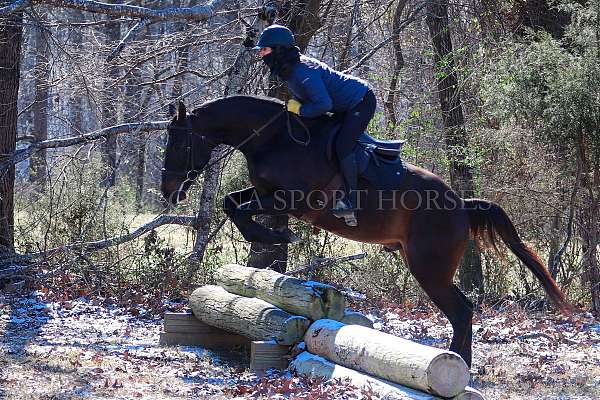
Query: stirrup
{"points": [[342, 210]]}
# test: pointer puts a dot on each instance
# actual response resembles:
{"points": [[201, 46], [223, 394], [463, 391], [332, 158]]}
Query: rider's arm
{"points": [[316, 101]]}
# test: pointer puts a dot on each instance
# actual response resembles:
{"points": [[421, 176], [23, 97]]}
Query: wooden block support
{"points": [[267, 354], [183, 329]]}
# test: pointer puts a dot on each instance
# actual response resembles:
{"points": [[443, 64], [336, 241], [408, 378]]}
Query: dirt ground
{"points": [[93, 349]]}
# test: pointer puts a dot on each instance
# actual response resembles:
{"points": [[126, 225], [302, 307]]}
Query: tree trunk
{"points": [[390, 101], [253, 318], [301, 16], [436, 371], [461, 173], [11, 35], [590, 220], [110, 115], [41, 75], [236, 84], [310, 299]]}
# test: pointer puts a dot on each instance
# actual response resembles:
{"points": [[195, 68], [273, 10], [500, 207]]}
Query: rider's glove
{"points": [[294, 106]]}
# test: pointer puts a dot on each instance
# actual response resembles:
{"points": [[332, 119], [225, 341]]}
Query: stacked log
{"points": [[435, 371], [267, 306], [355, 318], [318, 367], [248, 316], [310, 299]]}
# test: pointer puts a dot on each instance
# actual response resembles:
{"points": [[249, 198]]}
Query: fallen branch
{"points": [[22, 154], [13, 271], [103, 244]]}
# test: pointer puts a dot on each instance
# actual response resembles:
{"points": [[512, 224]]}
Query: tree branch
{"points": [[196, 13], [14, 7], [412, 17], [23, 154], [142, 23]]}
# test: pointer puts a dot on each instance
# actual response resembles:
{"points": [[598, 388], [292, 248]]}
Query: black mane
{"points": [[267, 101], [268, 104]]}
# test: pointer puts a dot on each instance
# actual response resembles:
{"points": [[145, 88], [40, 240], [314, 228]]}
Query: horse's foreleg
{"points": [[241, 206]]}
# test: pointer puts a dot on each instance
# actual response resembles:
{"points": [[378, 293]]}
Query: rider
{"points": [[320, 89]]}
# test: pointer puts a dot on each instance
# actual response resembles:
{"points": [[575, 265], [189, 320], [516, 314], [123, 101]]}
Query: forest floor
{"points": [[92, 348]]}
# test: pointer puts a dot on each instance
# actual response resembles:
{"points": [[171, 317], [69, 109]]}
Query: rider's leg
{"points": [[355, 123]]}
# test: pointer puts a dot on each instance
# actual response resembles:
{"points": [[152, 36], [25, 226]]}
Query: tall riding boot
{"points": [[345, 207]]}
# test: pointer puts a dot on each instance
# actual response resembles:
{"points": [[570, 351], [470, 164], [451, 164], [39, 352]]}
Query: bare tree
{"points": [[11, 33], [461, 173]]}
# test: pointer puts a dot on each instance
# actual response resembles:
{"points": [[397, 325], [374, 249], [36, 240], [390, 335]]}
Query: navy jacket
{"points": [[321, 89]]}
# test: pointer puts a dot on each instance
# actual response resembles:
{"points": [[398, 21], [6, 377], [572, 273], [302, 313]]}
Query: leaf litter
{"points": [[93, 348]]}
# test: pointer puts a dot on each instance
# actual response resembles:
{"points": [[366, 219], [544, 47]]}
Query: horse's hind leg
{"points": [[433, 266]]}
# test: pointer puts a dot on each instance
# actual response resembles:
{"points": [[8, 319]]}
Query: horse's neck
{"points": [[253, 127]]}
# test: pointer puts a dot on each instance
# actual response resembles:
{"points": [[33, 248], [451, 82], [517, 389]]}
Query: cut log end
{"points": [[447, 374]]}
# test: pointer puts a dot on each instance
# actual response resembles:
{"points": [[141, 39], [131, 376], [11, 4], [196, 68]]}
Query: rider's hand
{"points": [[294, 106]]}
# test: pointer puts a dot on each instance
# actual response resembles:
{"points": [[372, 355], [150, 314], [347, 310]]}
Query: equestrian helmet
{"points": [[275, 35]]}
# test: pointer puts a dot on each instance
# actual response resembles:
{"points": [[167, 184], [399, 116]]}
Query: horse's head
{"points": [[186, 154]]}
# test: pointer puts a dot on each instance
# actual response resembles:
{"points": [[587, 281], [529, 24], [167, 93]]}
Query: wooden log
{"points": [[188, 323], [267, 354], [310, 299], [251, 317], [183, 329], [355, 318], [223, 341], [439, 372], [316, 366], [469, 394]]}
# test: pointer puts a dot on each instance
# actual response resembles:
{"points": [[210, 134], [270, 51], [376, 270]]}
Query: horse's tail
{"points": [[488, 219]]}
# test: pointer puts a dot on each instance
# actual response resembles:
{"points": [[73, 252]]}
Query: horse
{"points": [[404, 208]]}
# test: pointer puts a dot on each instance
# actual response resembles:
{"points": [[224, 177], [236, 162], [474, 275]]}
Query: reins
{"points": [[192, 174]]}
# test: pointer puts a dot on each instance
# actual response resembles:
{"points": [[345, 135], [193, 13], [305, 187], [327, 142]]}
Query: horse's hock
{"points": [[269, 313]]}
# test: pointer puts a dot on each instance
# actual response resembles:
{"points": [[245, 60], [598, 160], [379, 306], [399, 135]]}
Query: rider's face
{"points": [[264, 51]]}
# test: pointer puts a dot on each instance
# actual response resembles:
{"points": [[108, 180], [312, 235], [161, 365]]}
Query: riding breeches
{"points": [[354, 124]]}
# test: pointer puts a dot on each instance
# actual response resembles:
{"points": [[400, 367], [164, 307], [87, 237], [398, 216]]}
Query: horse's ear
{"points": [[182, 112], [172, 110]]}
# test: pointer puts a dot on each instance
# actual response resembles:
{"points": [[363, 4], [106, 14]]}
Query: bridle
{"points": [[191, 174], [187, 173]]}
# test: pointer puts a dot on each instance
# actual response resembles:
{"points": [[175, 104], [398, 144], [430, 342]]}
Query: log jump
{"points": [[271, 312]]}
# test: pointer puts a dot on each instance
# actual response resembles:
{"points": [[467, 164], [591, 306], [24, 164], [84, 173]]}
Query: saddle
{"points": [[373, 152]]}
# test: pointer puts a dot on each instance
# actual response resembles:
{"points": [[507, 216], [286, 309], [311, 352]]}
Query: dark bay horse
{"points": [[414, 212]]}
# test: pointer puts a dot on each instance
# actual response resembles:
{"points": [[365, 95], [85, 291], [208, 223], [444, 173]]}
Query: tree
{"points": [[551, 87], [455, 134], [41, 73], [300, 17], [11, 33]]}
